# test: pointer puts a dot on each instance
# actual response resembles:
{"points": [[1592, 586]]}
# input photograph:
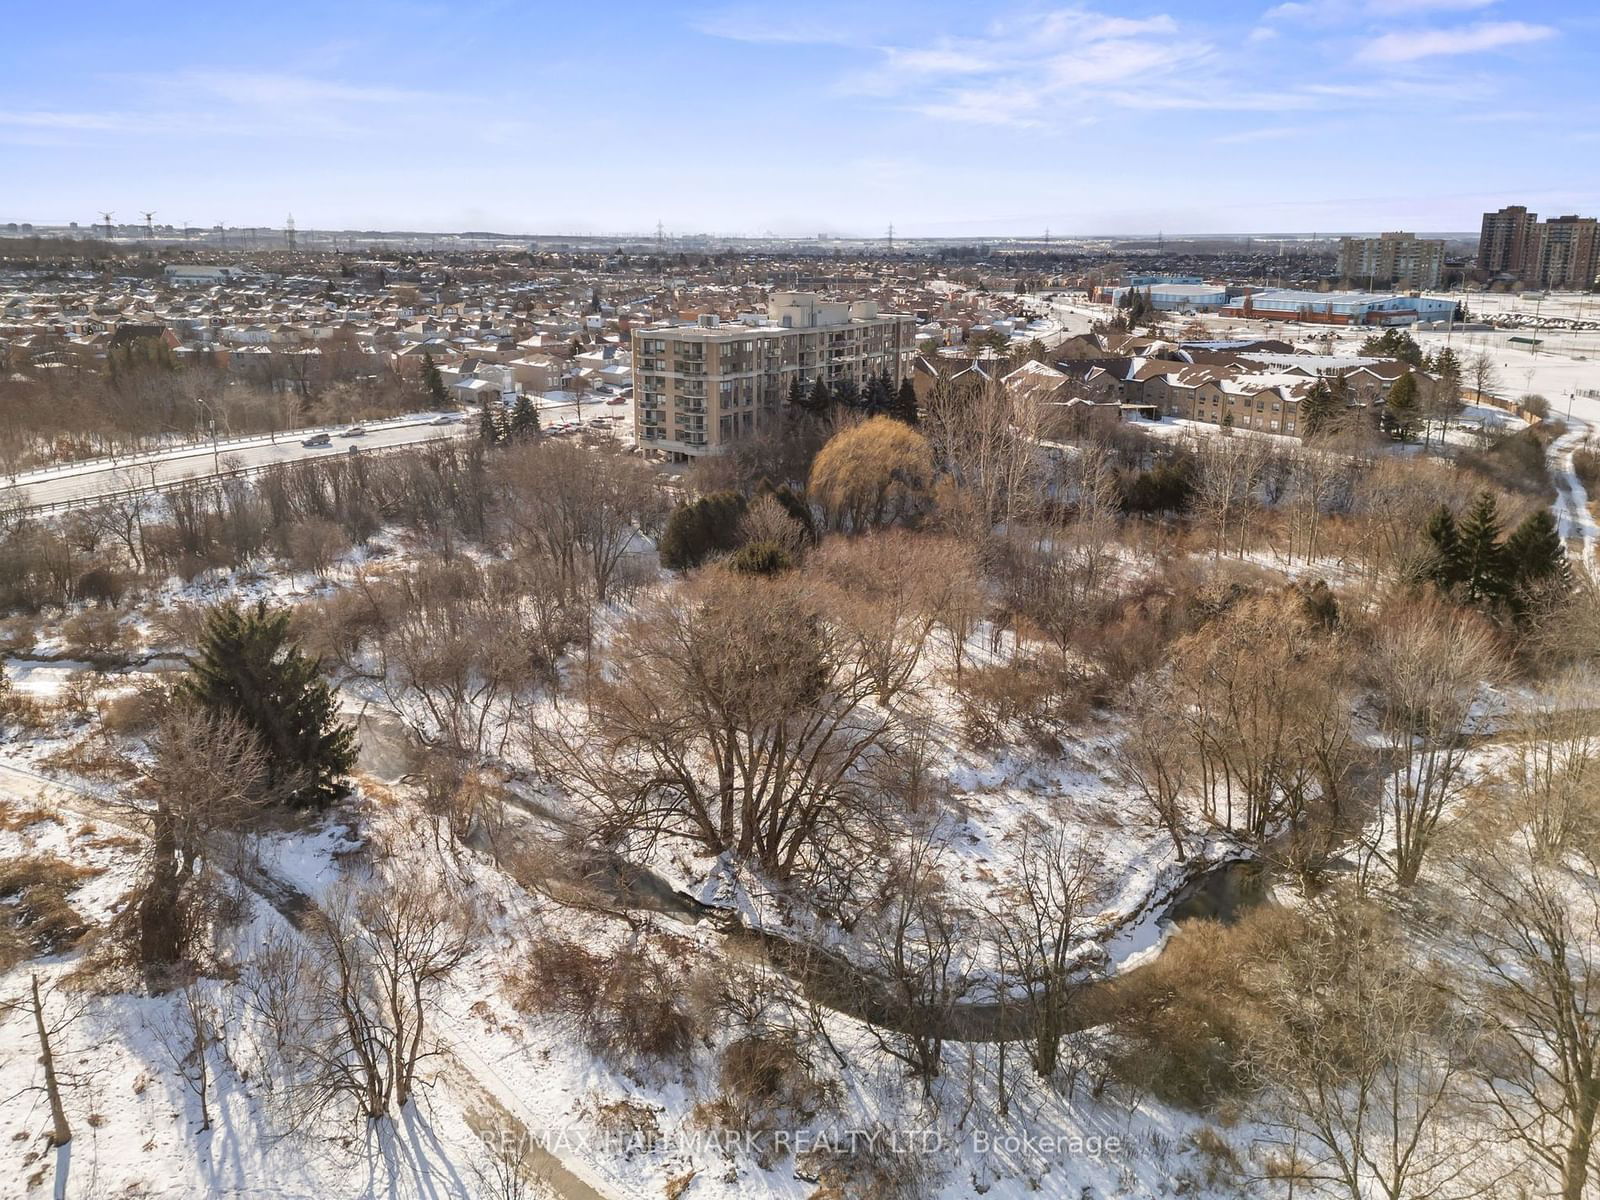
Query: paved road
{"points": [[1574, 521], [87, 481]]}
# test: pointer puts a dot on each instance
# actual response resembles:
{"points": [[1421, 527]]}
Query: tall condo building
{"points": [[1505, 240], [1560, 252], [699, 388], [1566, 253], [1393, 258]]}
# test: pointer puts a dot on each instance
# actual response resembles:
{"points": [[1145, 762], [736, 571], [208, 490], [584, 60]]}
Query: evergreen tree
{"points": [[524, 420], [248, 667], [1318, 409], [1447, 385], [905, 403], [700, 528], [1535, 555], [1402, 411], [433, 381], [1393, 343], [797, 394], [489, 431], [1483, 560], [876, 397], [1446, 567], [847, 394], [820, 400]]}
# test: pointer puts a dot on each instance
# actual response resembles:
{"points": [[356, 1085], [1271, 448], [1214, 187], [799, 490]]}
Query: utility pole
{"points": [[211, 419]]}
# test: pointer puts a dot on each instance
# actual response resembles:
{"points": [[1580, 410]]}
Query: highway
{"points": [[72, 484]]}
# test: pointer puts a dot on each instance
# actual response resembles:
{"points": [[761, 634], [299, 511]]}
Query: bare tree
{"points": [[1041, 925], [1552, 774], [123, 518], [1235, 680], [1155, 761], [206, 779], [886, 593], [733, 713], [580, 507], [1318, 479], [1428, 664], [457, 643], [1229, 471], [1537, 936], [912, 938], [46, 1031], [1361, 1063], [985, 443], [187, 1037], [348, 1014], [1484, 376]]}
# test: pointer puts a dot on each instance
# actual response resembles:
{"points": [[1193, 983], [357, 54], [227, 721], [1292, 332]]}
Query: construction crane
{"points": [[149, 228], [106, 217]]}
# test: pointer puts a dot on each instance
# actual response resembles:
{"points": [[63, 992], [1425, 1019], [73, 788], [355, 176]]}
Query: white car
{"points": [[447, 419], [356, 431]]}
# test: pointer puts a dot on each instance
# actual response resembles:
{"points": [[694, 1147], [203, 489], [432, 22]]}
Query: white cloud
{"points": [[1337, 12], [1473, 39], [1021, 70], [1247, 136]]}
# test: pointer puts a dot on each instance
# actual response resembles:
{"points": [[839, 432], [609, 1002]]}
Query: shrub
{"points": [[1166, 487], [1182, 1021], [700, 528], [870, 1165], [1515, 462], [1586, 464], [1534, 405], [621, 1004], [19, 634], [760, 558], [135, 713], [1036, 695], [98, 633], [767, 1081], [102, 585]]}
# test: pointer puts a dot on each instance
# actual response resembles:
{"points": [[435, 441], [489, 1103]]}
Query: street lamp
{"points": [[211, 418]]}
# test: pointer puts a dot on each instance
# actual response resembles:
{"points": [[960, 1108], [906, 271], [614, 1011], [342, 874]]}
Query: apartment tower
{"points": [[1507, 240], [699, 388], [1393, 258]]}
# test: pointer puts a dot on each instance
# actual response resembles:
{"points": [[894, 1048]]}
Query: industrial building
{"points": [[1174, 297], [1339, 308]]}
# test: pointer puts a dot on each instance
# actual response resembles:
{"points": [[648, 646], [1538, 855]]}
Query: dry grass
{"points": [[35, 917], [92, 758], [13, 817]]}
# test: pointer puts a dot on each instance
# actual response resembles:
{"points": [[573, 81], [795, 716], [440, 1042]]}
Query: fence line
{"points": [[236, 473], [143, 459]]}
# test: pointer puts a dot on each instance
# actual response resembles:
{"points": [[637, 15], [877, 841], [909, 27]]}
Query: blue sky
{"points": [[944, 118]]}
